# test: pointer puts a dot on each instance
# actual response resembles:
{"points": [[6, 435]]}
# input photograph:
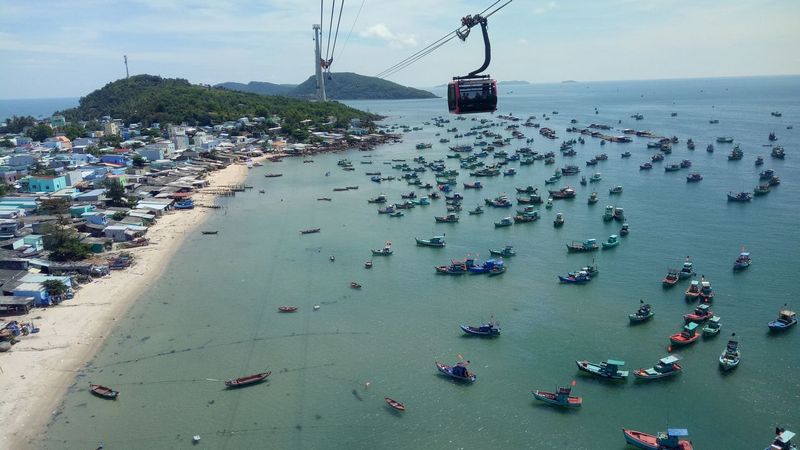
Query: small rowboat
{"points": [[448, 371], [287, 309], [209, 232], [395, 404], [355, 285], [104, 392], [248, 380], [309, 231]]}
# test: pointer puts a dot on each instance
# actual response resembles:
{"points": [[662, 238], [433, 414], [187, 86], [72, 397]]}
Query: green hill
{"points": [[352, 86], [258, 87], [148, 99]]}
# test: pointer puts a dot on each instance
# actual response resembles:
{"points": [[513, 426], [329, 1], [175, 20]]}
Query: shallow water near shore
{"points": [[213, 315]]}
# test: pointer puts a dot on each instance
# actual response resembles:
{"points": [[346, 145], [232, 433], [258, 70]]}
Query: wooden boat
{"points": [[559, 220], [248, 380], [615, 190], [103, 391], [687, 271], [593, 198], [644, 313], [436, 241], [759, 161], [379, 199], [700, 314], [273, 175], [474, 212], [694, 177], [561, 397], [583, 181], [310, 231], [458, 372], [785, 320], [687, 336], [645, 166], [210, 232], [741, 197], [612, 242], [368, 265], [450, 218], [742, 262], [783, 440], [729, 359], [669, 440], [487, 265], [497, 270], [595, 177], [624, 230], [394, 404], [608, 215], [487, 329], [706, 293], [385, 251], [527, 190], [712, 327], [324, 199], [580, 277], [506, 251], [396, 214], [671, 279], [762, 189], [588, 245], [607, 369], [504, 222], [626, 154], [563, 193], [665, 367], [693, 292], [287, 309], [355, 285]]}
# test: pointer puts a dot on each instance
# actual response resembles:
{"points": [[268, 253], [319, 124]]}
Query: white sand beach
{"points": [[38, 370]]}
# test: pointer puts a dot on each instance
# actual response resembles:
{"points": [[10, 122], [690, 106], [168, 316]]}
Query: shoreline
{"points": [[36, 374]]}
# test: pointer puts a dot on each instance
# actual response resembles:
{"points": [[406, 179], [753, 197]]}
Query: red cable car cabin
{"points": [[472, 95]]}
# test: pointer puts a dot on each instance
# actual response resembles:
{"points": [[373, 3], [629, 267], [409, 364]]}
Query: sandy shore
{"points": [[35, 374]]}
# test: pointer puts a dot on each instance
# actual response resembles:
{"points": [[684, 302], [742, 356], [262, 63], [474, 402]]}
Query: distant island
{"points": [[514, 83], [338, 86], [569, 81], [151, 99]]}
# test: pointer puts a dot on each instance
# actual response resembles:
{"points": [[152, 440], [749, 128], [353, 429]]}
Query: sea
{"points": [[39, 108], [213, 315]]}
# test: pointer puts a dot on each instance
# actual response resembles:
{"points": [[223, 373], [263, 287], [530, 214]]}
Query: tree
{"points": [[40, 132], [115, 192], [63, 243], [17, 123], [40, 169], [5, 188], [55, 288], [73, 131], [138, 160], [6, 143], [54, 206]]}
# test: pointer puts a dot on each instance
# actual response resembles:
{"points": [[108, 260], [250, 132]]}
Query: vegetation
{"points": [[54, 206], [115, 192], [16, 124], [64, 244], [259, 87], [151, 99], [6, 143], [5, 188], [42, 170], [55, 288], [138, 160], [40, 132]]}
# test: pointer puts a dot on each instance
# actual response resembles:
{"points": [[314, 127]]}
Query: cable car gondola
{"points": [[473, 93]]}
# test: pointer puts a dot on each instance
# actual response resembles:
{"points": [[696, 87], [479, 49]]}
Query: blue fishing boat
{"points": [[487, 266], [585, 246], [785, 320], [184, 204], [730, 357], [607, 369], [458, 372], [741, 197], [580, 277], [742, 262], [436, 241], [486, 329]]}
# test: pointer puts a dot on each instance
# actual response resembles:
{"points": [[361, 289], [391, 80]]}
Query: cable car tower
{"points": [[473, 93], [318, 64]]}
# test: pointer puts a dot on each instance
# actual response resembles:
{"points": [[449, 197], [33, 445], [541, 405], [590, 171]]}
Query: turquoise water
{"points": [[213, 313]]}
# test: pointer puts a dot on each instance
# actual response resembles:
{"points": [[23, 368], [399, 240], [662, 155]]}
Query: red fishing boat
{"points": [[104, 392], [248, 380], [700, 314], [287, 309], [395, 404], [693, 293], [671, 279], [669, 440], [687, 336]]}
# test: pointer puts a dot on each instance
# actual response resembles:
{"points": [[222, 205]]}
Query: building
{"points": [[111, 129], [58, 121], [46, 184]]}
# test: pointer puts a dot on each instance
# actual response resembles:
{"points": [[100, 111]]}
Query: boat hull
{"points": [[446, 370], [552, 399], [649, 442]]}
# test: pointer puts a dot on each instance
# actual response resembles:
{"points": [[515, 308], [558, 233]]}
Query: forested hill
{"points": [[148, 99], [352, 86], [259, 87]]}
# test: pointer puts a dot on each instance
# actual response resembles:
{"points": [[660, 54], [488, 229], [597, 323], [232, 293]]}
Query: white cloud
{"points": [[396, 40]]}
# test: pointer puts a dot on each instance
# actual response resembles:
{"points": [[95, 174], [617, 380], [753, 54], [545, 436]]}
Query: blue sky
{"points": [[69, 48]]}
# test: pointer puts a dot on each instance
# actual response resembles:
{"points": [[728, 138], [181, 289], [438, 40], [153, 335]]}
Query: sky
{"points": [[68, 48]]}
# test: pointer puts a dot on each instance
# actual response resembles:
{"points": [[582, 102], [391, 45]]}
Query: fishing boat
{"points": [[310, 231], [394, 404], [643, 314], [626, 154], [563, 193], [355, 285], [209, 232], [687, 271], [742, 262], [615, 190], [248, 380], [618, 214], [456, 267], [700, 314], [592, 198], [687, 336], [504, 222], [526, 217], [778, 152], [450, 218], [706, 293], [458, 372], [712, 327], [506, 251], [487, 329], [561, 397], [497, 270], [694, 177], [607, 369], [487, 265], [475, 185], [549, 203], [103, 391], [729, 359], [583, 181], [693, 292], [669, 440], [368, 265], [588, 245], [527, 190], [436, 241], [474, 212], [671, 279], [396, 214], [785, 320], [783, 440], [612, 242], [740, 197], [665, 367], [273, 175], [645, 166], [510, 172], [736, 154], [608, 215], [501, 201], [624, 230], [287, 309], [551, 180], [385, 251], [579, 277], [762, 189], [710, 148], [672, 168], [759, 161], [596, 177], [559, 220], [724, 140]]}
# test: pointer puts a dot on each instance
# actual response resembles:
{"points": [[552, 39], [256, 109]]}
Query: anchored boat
{"points": [[669, 440], [607, 369], [248, 380], [666, 367]]}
